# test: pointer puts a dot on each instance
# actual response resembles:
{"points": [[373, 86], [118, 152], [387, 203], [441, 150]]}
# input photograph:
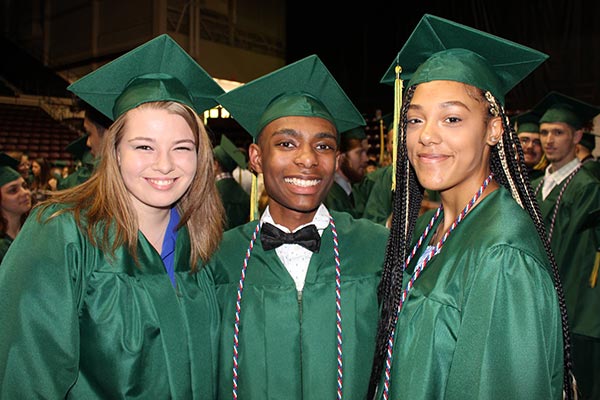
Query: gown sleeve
{"points": [[41, 290], [510, 340]]}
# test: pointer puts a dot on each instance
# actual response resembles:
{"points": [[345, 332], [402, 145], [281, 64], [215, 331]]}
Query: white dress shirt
{"points": [[294, 257], [553, 179]]}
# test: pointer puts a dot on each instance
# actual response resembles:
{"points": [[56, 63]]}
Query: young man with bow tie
{"points": [[298, 288]]}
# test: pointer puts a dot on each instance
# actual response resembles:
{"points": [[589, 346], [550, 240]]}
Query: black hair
{"points": [[508, 166], [95, 116]]}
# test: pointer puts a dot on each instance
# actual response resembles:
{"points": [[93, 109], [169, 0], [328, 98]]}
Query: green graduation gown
{"points": [[378, 205], [75, 326], [593, 166], [575, 242], [5, 243], [235, 200], [338, 200], [82, 174], [482, 321], [287, 347]]}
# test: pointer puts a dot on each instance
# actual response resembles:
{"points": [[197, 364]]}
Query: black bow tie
{"points": [[272, 237]]}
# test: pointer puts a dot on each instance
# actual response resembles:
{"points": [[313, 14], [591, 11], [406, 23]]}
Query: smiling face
{"points": [[297, 156], [157, 158], [449, 136], [15, 198]]}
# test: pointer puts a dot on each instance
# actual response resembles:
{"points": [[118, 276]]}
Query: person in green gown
{"points": [[585, 150], [469, 305], [15, 202], [376, 188], [86, 149], [527, 127], [297, 288], [235, 199], [569, 198], [102, 294], [84, 163], [351, 169]]}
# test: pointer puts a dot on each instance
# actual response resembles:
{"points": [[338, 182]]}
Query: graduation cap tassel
{"points": [[254, 198], [594, 275], [381, 141], [397, 110]]}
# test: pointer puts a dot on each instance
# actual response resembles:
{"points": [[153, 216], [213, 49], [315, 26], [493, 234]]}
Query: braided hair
{"points": [[508, 166]]}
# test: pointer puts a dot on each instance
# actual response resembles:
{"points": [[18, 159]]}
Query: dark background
{"points": [[358, 43]]}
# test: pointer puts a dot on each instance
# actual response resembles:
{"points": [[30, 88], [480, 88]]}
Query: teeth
{"points": [[302, 182], [161, 182]]}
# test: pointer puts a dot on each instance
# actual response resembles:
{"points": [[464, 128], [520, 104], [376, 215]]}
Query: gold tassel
{"points": [[381, 142], [594, 275], [254, 198], [397, 109]]}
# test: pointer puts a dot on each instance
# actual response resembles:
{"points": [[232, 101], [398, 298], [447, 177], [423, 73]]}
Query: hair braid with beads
{"points": [[508, 165], [511, 172], [405, 210]]}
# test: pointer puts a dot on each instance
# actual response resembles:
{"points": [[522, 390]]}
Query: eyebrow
{"points": [[445, 104], [295, 133], [153, 140]]}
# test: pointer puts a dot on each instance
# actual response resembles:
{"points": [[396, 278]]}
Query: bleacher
{"points": [[30, 129]]}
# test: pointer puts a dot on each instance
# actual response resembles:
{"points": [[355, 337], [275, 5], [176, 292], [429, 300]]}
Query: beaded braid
{"points": [[408, 196], [508, 165]]}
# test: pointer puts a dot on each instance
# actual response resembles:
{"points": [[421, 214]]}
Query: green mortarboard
{"points": [[8, 169], [588, 140], [158, 70], [303, 88], [229, 155], [527, 122], [439, 49], [557, 107], [78, 147], [355, 133]]}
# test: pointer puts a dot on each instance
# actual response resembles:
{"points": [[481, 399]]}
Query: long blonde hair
{"points": [[104, 202]]}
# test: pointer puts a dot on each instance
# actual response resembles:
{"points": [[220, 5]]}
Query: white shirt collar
{"points": [[344, 183], [320, 220]]}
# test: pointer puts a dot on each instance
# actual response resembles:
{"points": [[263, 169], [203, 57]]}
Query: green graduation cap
{"points": [[439, 49], [557, 107], [229, 155], [303, 88], [158, 70], [8, 169], [78, 147], [527, 122], [355, 133], [588, 140]]}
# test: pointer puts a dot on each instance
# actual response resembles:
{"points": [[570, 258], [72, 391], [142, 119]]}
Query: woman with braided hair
{"points": [[471, 302]]}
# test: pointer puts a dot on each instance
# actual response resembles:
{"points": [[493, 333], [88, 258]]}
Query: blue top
{"points": [[168, 248]]}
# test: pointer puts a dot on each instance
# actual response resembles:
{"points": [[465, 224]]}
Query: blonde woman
{"points": [[102, 297]]}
